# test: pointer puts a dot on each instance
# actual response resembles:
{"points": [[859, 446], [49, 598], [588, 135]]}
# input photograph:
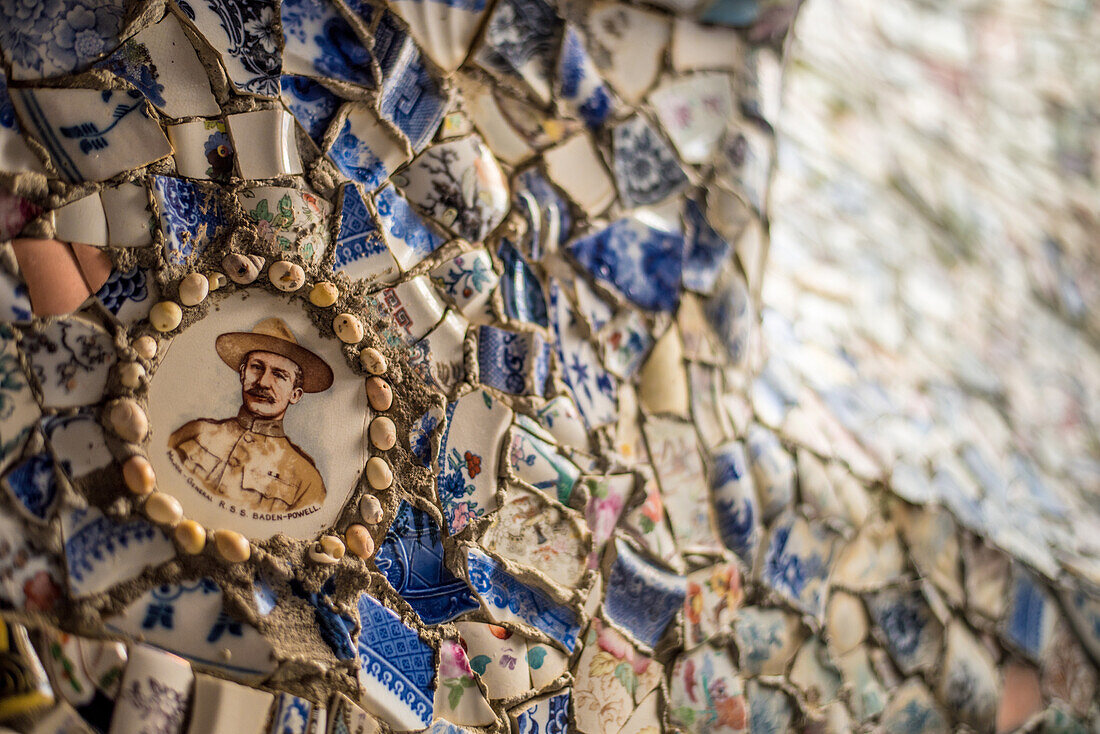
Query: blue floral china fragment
{"points": [[469, 457], [411, 98], [292, 715], [361, 251], [33, 483], [640, 597], [520, 41], [191, 216], [311, 103], [421, 432], [411, 558], [705, 251], [641, 256], [70, 359], [15, 156], [516, 362], [365, 150], [580, 85], [769, 709], [319, 41], [19, 411], [190, 620], [50, 38], [507, 599], [92, 135], [520, 288], [646, 170], [548, 715], [460, 185], [396, 668], [469, 281], [911, 632], [409, 237], [737, 513], [246, 35], [594, 389], [100, 552], [797, 563]]}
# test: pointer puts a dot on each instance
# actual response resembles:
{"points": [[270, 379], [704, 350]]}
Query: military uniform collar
{"points": [[262, 426]]}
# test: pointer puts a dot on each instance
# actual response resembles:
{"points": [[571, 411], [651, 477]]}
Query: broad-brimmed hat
{"points": [[273, 335]]}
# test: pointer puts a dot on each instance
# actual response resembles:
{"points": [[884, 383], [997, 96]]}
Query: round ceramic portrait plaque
{"points": [[257, 423]]}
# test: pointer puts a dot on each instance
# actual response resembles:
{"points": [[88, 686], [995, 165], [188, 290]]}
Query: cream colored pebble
{"points": [[359, 541], [165, 316], [128, 420], [130, 375], [286, 276], [379, 393], [383, 433], [139, 476], [164, 509], [373, 361], [370, 509], [242, 269], [232, 546], [145, 346], [194, 289], [191, 536], [324, 294], [348, 328], [379, 474]]}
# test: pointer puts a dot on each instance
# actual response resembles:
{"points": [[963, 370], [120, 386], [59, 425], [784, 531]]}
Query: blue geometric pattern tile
{"points": [[411, 99], [292, 715], [646, 170], [396, 668], [520, 287], [640, 597], [52, 37], [311, 103], [642, 261], [411, 557], [318, 40], [507, 598], [705, 251], [360, 250], [191, 216]]}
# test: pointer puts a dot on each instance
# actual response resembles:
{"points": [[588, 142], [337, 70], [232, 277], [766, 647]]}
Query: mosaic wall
{"points": [[400, 366]]}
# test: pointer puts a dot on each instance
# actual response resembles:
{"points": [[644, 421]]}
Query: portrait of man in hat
{"points": [[247, 458]]}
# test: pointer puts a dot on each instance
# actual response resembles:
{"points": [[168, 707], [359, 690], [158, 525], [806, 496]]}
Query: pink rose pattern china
{"points": [[406, 365]]}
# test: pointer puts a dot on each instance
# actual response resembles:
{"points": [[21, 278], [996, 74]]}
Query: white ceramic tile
{"points": [[265, 142], [222, 707], [694, 111], [629, 44], [156, 693], [82, 221], [438, 357], [201, 149], [129, 219], [412, 306], [576, 167], [444, 30], [498, 656]]}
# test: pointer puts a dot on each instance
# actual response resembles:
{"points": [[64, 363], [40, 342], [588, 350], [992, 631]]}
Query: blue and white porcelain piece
{"points": [[773, 471], [319, 41], [128, 295], [411, 557], [508, 599], [645, 167], [521, 291], [30, 578], [70, 359], [246, 35], [640, 597], [515, 362], [334, 624], [1032, 612], [15, 301], [47, 39], [292, 715], [421, 432], [264, 597], [360, 249], [764, 639], [311, 103], [520, 41], [33, 483], [100, 552], [912, 710], [595, 390], [545, 716], [396, 668], [1082, 607], [364, 150], [705, 250], [92, 135], [797, 563], [410, 238], [190, 620], [769, 709], [554, 209], [735, 506], [731, 314], [639, 257], [580, 85], [191, 216], [19, 410], [411, 98], [910, 630]]}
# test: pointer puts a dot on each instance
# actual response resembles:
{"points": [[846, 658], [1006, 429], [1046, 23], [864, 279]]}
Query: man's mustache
{"points": [[261, 393]]}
